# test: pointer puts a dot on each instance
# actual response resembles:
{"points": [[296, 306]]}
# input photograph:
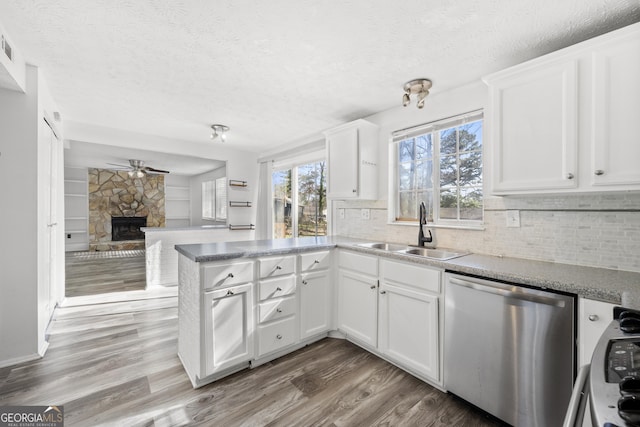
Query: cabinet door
{"points": [[315, 312], [228, 327], [593, 319], [358, 307], [408, 329], [342, 176], [533, 124], [616, 103]]}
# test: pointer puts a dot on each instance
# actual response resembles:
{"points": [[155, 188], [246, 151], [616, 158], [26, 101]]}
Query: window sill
{"points": [[478, 227]]}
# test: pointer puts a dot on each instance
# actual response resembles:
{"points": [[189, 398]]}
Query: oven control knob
{"points": [[629, 409], [630, 325], [629, 385]]}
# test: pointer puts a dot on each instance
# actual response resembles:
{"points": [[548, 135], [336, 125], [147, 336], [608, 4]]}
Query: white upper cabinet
{"points": [[565, 122], [534, 128], [352, 153], [615, 110]]}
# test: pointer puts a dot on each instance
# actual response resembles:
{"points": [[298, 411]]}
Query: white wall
{"points": [[23, 220], [601, 230]]}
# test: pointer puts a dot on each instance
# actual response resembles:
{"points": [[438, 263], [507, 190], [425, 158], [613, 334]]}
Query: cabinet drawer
{"points": [[276, 335], [419, 277], [227, 274], [276, 266], [277, 287], [315, 261], [364, 264], [276, 309]]}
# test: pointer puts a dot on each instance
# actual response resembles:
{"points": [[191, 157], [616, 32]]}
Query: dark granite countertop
{"points": [[590, 282]]}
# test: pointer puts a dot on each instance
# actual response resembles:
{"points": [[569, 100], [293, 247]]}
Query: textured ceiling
{"points": [[277, 71]]}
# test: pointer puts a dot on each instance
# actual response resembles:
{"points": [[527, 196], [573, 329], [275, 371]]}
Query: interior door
{"points": [[51, 203]]}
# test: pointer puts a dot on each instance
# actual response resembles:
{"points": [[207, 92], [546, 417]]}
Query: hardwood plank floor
{"points": [[91, 273], [114, 362]]}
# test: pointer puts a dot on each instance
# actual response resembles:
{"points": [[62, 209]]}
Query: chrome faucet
{"points": [[422, 239]]}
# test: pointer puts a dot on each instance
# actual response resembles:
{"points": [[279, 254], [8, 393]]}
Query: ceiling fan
{"points": [[137, 168]]}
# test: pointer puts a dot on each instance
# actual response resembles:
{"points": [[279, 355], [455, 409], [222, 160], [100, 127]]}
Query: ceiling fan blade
{"points": [[150, 169], [121, 166]]}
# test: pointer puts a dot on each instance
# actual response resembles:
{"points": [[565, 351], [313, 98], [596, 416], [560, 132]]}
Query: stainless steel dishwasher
{"points": [[509, 350]]}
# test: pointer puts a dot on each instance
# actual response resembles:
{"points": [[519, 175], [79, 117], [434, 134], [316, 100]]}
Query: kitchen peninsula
{"points": [[244, 303]]}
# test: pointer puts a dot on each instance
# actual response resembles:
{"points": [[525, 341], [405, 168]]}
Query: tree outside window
{"points": [[302, 212], [441, 165]]}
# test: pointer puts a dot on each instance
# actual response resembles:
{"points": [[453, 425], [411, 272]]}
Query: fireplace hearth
{"points": [[127, 228]]}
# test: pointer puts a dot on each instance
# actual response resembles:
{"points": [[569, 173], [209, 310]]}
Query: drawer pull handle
{"points": [[230, 275], [593, 317], [279, 310], [230, 292], [599, 172], [383, 292], [304, 282], [278, 267], [372, 287], [278, 289], [279, 336], [316, 262]]}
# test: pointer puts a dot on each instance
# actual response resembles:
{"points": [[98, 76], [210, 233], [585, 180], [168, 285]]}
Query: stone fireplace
{"points": [[132, 202]]}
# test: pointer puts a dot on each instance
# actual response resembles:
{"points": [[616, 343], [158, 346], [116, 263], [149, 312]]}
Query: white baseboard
{"points": [[21, 359]]}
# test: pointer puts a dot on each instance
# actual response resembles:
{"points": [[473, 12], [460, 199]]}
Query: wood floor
{"points": [[92, 273], [115, 363]]}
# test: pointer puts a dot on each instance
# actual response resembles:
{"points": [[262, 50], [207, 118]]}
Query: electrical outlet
{"points": [[341, 213], [513, 219], [365, 213]]}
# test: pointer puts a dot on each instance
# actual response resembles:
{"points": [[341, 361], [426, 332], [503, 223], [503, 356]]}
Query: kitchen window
{"points": [[440, 164], [214, 200], [300, 200]]}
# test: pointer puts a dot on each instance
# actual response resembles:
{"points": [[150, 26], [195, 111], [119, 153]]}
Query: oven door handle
{"points": [[578, 402]]}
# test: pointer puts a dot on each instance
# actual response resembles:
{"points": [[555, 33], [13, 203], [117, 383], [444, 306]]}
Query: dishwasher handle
{"points": [[498, 289], [578, 402]]}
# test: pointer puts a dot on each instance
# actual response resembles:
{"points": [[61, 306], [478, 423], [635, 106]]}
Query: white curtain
{"points": [[264, 210]]}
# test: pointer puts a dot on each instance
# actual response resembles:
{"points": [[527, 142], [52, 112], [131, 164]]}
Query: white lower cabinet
{"points": [[358, 307], [408, 329], [315, 299], [228, 327], [593, 319], [395, 314]]}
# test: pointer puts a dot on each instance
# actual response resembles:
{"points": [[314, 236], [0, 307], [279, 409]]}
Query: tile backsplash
{"points": [[599, 230]]}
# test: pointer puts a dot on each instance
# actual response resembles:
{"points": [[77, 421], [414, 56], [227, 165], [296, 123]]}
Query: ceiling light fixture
{"points": [[416, 86], [219, 130]]}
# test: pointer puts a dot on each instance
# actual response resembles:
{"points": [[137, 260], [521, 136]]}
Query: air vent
{"points": [[6, 48]]}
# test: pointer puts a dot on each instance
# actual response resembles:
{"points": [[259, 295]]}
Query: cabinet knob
{"points": [[230, 275], [383, 292], [316, 262], [279, 336], [278, 267], [279, 310], [278, 289], [569, 175], [372, 287], [230, 292], [354, 190], [593, 317], [599, 172], [304, 282]]}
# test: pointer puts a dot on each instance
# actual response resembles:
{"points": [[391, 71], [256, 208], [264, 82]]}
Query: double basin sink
{"points": [[437, 254]]}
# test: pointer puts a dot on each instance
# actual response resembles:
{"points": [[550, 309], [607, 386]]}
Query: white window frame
{"points": [[434, 127], [218, 204]]}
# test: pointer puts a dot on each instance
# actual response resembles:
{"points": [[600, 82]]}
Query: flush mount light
{"points": [[219, 130], [416, 86]]}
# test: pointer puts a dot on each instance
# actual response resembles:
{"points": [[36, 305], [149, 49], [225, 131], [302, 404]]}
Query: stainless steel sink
{"points": [[384, 246], [433, 253]]}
